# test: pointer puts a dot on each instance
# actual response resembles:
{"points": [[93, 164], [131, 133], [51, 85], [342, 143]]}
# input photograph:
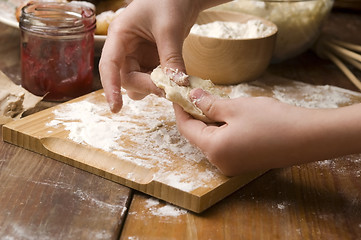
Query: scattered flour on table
{"points": [[167, 210], [86, 197], [342, 166], [281, 206], [254, 28]]}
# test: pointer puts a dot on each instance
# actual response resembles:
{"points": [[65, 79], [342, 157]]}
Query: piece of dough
{"points": [[180, 94], [14, 100]]}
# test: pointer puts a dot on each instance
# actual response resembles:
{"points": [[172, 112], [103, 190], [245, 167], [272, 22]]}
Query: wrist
{"points": [[330, 133]]}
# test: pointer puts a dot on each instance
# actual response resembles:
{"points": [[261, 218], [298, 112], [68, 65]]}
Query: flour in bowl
{"points": [[253, 28]]}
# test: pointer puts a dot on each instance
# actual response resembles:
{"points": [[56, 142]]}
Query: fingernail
{"points": [[196, 95], [177, 76]]}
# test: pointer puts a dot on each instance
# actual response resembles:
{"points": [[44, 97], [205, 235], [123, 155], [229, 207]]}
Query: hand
{"points": [[146, 34], [262, 133]]}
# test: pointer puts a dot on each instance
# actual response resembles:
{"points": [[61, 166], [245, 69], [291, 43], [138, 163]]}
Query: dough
{"points": [[14, 100], [180, 94]]}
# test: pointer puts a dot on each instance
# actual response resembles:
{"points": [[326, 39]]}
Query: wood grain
{"points": [[313, 201], [302, 202], [34, 133], [45, 199]]}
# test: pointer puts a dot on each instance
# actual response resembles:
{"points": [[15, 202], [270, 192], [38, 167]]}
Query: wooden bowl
{"points": [[228, 61]]}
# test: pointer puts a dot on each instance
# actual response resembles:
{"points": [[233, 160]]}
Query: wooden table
{"points": [[41, 198]]}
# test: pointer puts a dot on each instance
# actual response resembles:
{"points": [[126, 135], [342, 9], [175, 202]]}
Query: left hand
{"points": [[146, 34]]}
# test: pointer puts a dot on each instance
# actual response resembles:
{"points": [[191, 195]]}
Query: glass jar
{"points": [[57, 49]]}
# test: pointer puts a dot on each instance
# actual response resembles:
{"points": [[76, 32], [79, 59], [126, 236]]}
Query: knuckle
{"points": [[104, 63], [209, 106], [114, 28], [173, 58]]}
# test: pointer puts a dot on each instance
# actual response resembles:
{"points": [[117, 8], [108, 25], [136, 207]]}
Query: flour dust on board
{"points": [[145, 133], [141, 135]]}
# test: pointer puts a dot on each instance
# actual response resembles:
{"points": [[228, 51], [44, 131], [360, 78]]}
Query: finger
{"points": [[185, 122], [139, 85], [112, 57], [136, 81], [197, 132], [136, 95], [171, 59], [210, 105]]}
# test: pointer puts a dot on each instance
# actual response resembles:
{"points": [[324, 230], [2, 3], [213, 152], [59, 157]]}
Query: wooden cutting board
{"points": [[150, 155], [141, 148]]}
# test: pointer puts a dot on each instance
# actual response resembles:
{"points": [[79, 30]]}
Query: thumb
{"points": [[171, 58], [208, 103]]}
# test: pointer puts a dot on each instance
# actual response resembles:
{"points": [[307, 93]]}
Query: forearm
{"points": [[299, 136], [329, 133]]}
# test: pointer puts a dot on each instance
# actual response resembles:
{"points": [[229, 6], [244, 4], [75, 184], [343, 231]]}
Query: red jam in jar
{"points": [[57, 49]]}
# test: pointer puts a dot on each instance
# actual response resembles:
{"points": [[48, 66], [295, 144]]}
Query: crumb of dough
{"points": [[177, 76], [180, 94]]}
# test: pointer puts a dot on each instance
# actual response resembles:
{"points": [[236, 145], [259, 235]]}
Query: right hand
{"points": [[262, 133]]}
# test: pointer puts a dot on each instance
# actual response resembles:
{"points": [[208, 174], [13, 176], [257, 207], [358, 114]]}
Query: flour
{"points": [[303, 19], [156, 209], [138, 135], [145, 134], [281, 206], [85, 197], [342, 166], [254, 28], [298, 94], [90, 128]]}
